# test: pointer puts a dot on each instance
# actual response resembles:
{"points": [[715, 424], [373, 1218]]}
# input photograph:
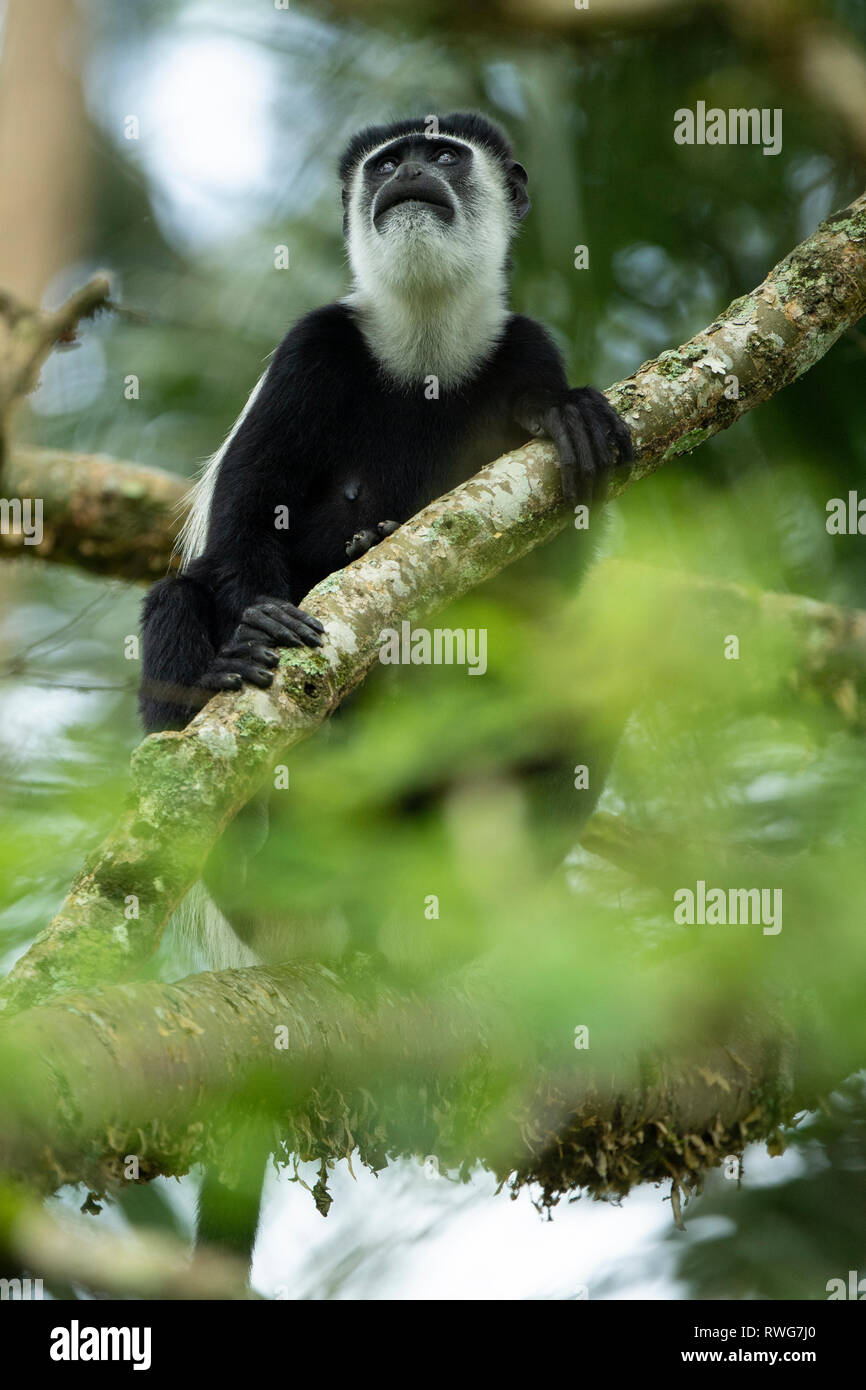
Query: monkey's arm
{"points": [[220, 622], [178, 646], [590, 437], [183, 660]]}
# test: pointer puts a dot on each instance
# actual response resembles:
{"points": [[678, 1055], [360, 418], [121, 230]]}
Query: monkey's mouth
{"points": [[422, 191]]}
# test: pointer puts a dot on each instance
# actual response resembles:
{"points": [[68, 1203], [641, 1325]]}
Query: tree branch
{"points": [[187, 786], [368, 1068], [143, 1264], [820, 647], [27, 336], [104, 515], [120, 519]]}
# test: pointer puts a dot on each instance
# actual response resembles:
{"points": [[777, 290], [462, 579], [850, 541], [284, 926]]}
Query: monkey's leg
{"points": [[178, 621], [362, 541], [229, 1199]]}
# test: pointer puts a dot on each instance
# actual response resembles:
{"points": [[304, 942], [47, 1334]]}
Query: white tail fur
{"points": [[203, 939]]}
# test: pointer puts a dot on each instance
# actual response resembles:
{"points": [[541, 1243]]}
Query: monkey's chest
{"points": [[388, 476]]}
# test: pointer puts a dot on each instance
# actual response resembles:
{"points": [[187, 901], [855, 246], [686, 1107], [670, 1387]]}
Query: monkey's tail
{"points": [[228, 1216]]}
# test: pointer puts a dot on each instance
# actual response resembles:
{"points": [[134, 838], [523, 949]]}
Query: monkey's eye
{"points": [[445, 157], [386, 165]]}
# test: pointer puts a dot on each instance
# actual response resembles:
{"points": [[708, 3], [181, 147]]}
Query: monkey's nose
{"points": [[410, 170]]}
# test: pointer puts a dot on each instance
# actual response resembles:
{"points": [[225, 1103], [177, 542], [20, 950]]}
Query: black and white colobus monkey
{"points": [[341, 429]]}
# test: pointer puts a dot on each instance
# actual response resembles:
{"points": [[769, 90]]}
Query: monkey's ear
{"points": [[517, 177]]}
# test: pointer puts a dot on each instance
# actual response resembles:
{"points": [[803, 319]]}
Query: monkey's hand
{"points": [[362, 541], [250, 653], [590, 437]]}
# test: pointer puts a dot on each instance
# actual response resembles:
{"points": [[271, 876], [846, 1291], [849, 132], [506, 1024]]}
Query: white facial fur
{"points": [[430, 296]]}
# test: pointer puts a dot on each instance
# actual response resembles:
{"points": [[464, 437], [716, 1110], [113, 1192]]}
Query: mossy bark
{"points": [[101, 514], [333, 1065]]}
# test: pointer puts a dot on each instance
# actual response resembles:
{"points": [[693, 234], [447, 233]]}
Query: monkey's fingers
{"points": [[361, 542], [248, 662], [288, 612], [587, 426], [576, 462], [275, 622], [215, 680], [603, 416], [599, 451]]}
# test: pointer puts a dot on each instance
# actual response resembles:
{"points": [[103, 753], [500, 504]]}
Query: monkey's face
{"points": [[420, 178], [425, 212]]}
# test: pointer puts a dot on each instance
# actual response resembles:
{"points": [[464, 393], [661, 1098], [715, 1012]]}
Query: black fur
{"points": [[350, 453], [417, 145], [464, 125], [344, 449]]}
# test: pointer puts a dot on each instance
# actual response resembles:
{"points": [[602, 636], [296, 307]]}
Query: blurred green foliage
{"points": [[416, 790]]}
